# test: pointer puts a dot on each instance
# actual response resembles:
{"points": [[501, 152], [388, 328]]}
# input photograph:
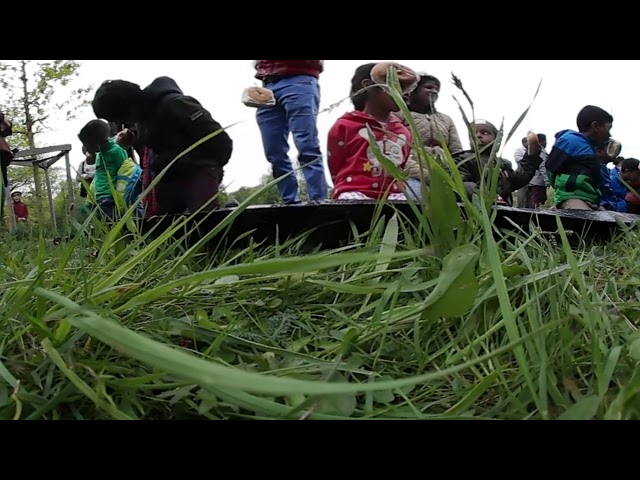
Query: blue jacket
{"points": [[619, 191]]}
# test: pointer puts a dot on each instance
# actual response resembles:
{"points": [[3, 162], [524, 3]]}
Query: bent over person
{"points": [[169, 122]]}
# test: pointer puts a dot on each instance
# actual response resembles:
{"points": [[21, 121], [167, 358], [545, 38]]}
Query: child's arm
{"points": [[526, 170], [335, 151]]}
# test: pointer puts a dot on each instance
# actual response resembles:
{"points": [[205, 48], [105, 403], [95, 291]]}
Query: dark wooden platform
{"points": [[331, 223]]}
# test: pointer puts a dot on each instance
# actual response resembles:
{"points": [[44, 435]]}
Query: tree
{"points": [[269, 196], [34, 98]]}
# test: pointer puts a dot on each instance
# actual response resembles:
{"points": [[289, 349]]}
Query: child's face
{"points": [[379, 98], [426, 94], [601, 131], [484, 135], [92, 148], [16, 197], [93, 145]]}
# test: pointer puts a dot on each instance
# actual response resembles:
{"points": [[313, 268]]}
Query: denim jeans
{"points": [[296, 112], [414, 189]]}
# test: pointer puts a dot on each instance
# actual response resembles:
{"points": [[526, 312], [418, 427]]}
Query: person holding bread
{"points": [[355, 169], [291, 108], [509, 180]]}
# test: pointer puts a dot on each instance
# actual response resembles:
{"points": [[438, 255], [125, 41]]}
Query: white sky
{"points": [[499, 89]]}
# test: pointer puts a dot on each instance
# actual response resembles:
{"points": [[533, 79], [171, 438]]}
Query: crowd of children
{"points": [[371, 153], [575, 168]]}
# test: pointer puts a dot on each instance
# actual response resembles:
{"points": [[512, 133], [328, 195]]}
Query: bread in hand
{"points": [[408, 78], [258, 97]]}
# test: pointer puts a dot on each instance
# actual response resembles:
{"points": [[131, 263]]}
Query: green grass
{"points": [[434, 320], [369, 332]]}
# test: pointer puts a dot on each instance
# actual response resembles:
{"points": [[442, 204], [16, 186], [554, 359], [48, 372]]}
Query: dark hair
{"points": [[542, 137], [630, 164], [590, 114], [96, 131], [363, 72], [424, 78], [114, 99]]}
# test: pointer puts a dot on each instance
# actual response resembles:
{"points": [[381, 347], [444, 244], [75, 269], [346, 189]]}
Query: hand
{"points": [[125, 139], [22, 219], [534, 147]]}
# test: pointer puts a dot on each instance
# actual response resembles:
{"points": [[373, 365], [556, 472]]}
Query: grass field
{"points": [[526, 328], [430, 320]]}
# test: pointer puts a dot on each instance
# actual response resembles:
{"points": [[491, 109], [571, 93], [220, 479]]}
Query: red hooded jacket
{"points": [[267, 68], [353, 164]]}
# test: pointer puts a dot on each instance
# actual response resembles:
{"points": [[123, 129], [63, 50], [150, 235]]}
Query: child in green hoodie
{"points": [[109, 157]]}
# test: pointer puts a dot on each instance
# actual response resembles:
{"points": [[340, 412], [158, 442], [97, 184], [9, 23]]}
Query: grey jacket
{"points": [[540, 178]]}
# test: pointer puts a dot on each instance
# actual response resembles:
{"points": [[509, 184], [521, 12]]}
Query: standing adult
{"points": [[168, 123], [523, 195], [539, 183], [6, 157], [294, 84]]}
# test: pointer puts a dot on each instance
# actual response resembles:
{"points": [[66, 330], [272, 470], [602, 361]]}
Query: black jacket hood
{"points": [[160, 88]]}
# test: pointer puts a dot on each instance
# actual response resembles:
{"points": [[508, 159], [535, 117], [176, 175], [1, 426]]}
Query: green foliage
{"points": [[34, 96], [37, 94]]}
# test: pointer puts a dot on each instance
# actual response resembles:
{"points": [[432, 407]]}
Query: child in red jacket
{"points": [[356, 172]]}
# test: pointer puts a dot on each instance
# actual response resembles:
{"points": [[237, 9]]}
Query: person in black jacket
{"points": [[169, 122], [6, 157], [509, 179]]}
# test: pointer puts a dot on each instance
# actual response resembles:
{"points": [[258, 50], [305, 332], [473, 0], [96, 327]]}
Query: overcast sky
{"points": [[498, 88]]}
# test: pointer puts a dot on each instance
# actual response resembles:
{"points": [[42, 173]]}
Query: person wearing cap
{"points": [[430, 124], [20, 210], [509, 180], [169, 122]]}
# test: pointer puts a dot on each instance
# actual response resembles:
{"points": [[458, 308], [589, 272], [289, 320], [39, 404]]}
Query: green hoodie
{"points": [[108, 162]]}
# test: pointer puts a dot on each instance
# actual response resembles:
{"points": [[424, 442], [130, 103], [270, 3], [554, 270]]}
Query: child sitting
{"points": [[574, 164], [509, 180], [630, 175], [109, 157], [356, 172]]}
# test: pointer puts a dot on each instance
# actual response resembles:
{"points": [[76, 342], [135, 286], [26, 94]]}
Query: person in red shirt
{"points": [[294, 84], [356, 172], [20, 210]]}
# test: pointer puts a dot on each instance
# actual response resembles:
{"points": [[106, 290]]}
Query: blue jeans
{"points": [[414, 190], [296, 112]]}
